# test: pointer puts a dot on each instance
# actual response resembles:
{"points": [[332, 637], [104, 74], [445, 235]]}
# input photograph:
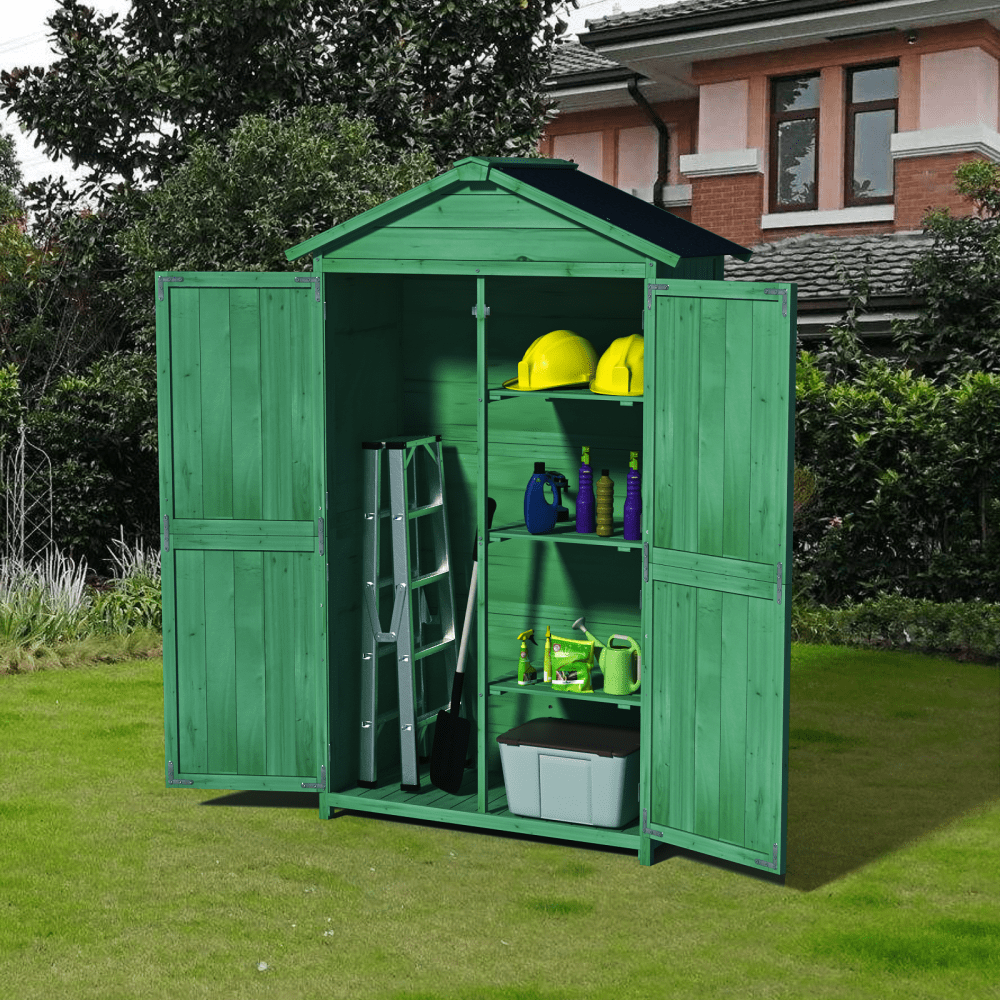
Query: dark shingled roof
{"points": [[632, 214], [571, 58], [629, 18], [812, 262], [699, 8]]}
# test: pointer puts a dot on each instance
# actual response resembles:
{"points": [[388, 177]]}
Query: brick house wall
{"points": [[948, 84]]}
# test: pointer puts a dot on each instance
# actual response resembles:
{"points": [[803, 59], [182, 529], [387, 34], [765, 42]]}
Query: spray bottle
{"points": [[526, 673], [547, 658], [585, 523], [633, 500], [605, 504]]}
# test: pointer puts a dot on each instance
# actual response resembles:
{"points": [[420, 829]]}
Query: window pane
{"points": [[872, 162], [874, 84], [796, 93], [797, 162]]}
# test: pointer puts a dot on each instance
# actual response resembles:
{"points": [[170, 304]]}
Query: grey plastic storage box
{"points": [[571, 772]]}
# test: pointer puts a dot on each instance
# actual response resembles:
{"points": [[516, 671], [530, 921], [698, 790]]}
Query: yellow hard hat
{"points": [[620, 370], [560, 358]]}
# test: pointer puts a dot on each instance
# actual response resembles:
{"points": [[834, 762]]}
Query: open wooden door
{"points": [[242, 493], [718, 464]]}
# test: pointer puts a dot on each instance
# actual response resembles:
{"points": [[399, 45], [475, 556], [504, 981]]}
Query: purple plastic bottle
{"points": [[633, 500], [585, 501]]}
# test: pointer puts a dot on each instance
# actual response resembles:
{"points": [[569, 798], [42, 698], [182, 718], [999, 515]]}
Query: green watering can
{"points": [[616, 661]]}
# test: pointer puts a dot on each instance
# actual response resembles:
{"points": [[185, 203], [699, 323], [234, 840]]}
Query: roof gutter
{"points": [[663, 158]]}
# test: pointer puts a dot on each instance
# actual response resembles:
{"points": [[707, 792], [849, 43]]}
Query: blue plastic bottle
{"points": [[585, 500], [633, 500], [540, 515]]}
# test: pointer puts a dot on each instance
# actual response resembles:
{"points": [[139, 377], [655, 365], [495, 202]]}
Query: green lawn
{"points": [[113, 886]]}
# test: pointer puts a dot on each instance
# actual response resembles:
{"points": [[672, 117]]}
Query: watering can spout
{"points": [[581, 624]]}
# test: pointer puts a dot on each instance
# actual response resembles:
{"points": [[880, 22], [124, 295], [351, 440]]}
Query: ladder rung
{"points": [[429, 508], [422, 581], [422, 720], [434, 647]]}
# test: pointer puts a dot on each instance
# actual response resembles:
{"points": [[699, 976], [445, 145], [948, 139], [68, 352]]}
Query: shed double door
{"points": [[719, 398], [242, 477]]}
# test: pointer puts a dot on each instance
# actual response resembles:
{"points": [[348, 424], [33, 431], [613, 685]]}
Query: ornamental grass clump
{"points": [[133, 600], [51, 617], [42, 602]]}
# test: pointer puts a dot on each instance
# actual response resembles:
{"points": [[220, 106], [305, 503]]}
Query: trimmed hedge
{"points": [[966, 630]]}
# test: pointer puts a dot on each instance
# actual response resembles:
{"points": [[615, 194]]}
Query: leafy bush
{"points": [[964, 629], [907, 499], [98, 428]]}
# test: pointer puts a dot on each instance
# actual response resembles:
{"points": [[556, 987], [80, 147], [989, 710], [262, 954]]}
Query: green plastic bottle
{"points": [[605, 490]]}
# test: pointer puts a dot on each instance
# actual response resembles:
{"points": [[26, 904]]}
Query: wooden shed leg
{"points": [[647, 848]]}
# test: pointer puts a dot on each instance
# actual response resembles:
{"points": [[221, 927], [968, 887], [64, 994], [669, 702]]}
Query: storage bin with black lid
{"points": [[573, 772]]}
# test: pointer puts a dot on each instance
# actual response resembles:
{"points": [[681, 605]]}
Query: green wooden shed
{"points": [[412, 318]]}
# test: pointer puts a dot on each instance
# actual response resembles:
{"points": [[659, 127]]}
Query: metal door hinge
{"points": [[321, 784], [166, 533], [319, 531], [777, 595], [769, 864], [475, 311], [645, 562], [159, 283], [646, 828], [310, 277], [783, 292], [171, 780], [649, 293]]}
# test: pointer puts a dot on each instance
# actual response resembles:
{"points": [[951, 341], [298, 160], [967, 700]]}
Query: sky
{"points": [[23, 42]]}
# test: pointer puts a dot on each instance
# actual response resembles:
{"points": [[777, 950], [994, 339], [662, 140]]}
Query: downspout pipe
{"points": [[663, 163]]}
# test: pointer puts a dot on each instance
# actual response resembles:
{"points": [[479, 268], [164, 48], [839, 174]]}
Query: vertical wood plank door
{"points": [[718, 478], [242, 488]]}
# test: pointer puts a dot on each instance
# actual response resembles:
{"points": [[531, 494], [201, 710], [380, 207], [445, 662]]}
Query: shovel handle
{"points": [[470, 607]]}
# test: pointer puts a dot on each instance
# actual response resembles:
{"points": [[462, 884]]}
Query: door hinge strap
{"points": [[475, 311], [319, 530], [783, 292], [773, 863], [645, 562], [321, 784], [777, 595], [310, 277], [171, 780], [649, 293], [159, 284], [645, 826], [166, 533]]}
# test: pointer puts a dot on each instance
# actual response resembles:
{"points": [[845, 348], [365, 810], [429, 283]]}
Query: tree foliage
{"points": [[272, 183], [131, 95], [958, 283]]}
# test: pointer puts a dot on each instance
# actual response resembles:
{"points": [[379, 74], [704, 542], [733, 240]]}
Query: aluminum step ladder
{"points": [[416, 500]]}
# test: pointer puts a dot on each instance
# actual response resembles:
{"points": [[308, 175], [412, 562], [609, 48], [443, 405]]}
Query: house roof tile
{"points": [[571, 58], [814, 262], [694, 8]]}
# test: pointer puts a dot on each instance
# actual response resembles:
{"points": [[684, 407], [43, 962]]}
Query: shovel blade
{"points": [[451, 746]]}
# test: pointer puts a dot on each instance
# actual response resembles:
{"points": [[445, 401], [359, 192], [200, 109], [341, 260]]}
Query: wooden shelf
{"points": [[541, 690], [583, 395], [566, 532]]}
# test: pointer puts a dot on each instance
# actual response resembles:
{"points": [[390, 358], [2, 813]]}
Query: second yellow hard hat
{"points": [[620, 370]]}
